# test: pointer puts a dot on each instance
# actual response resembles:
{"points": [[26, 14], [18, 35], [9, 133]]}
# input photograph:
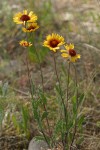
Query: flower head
{"points": [[70, 53], [31, 27], [53, 41], [23, 17], [25, 43]]}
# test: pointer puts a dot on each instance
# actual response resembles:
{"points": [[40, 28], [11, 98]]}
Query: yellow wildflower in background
{"points": [[31, 27], [25, 43], [53, 41], [70, 53], [23, 17]]}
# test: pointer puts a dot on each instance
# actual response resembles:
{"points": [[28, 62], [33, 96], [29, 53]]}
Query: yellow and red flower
{"points": [[70, 53], [25, 43], [23, 17], [31, 27], [53, 42]]}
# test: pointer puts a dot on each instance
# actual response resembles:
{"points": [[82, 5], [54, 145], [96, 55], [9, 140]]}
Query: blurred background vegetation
{"points": [[79, 23]]}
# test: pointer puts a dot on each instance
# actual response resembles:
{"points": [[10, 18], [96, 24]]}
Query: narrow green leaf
{"points": [[80, 121], [16, 123], [25, 115], [81, 99], [1, 114], [74, 103], [80, 140], [44, 115], [43, 98], [60, 125], [39, 138], [70, 124]]}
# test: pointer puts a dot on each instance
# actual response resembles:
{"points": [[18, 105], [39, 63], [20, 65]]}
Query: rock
{"points": [[38, 145]]}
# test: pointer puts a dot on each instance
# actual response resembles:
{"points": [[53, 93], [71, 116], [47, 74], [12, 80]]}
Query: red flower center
{"points": [[72, 52], [54, 43], [31, 27], [24, 18], [25, 44]]}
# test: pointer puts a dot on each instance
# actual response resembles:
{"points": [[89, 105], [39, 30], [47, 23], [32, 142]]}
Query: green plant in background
{"points": [[5, 22], [46, 11], [68, 121], [7, 106], [3, 94], [22, 125]]}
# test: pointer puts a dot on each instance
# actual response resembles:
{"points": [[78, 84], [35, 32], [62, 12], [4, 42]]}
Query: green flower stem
{"points": [[45, 109], [68, 85], [65, 115], [42, 81], [29, 78], [30, 81], [75, 127], [28, 70], [67, 93], [41, 128], [67, 97]]}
